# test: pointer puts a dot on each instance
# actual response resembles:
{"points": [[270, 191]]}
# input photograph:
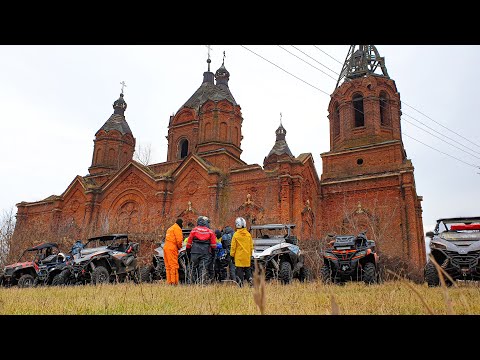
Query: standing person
{"points": [[241, 250], [173, 242], [201, 244], [227, 244], [213, 266]]}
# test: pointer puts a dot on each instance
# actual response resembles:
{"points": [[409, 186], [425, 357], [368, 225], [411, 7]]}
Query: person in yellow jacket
{"points": [[173, 243], [241, 251]]}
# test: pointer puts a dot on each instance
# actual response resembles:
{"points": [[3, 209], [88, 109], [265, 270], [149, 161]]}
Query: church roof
{"points": [[281, 146], [117, 122], [208, 91]]}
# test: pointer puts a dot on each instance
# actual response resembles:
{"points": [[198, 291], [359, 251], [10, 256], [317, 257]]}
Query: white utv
{"points": [[455, 246], [275, 249]]}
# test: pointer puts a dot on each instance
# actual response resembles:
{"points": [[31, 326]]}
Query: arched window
{"points": [[384, 110], [208, 131], [358, 107], [183, 148], [98, 158], [336, 120], [111, 156], [223, 131]]}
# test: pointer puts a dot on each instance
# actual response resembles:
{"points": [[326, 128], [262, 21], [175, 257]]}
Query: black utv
{"points": [[103, 259], [34, 264], [455, 246], [350, 257]]}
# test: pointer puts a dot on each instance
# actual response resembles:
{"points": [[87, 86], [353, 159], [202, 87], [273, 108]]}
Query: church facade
{"points": [[367, 181]]}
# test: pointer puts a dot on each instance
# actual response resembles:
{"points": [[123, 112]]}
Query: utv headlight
{"points": [[436, 245]]}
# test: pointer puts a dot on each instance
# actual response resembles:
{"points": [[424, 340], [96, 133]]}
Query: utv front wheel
{"points": [[285, 274], [305, 274], [100, 275], [369, 273], [146, 274], [326, 274], [431, 275], [25, 281], [61, 278]]}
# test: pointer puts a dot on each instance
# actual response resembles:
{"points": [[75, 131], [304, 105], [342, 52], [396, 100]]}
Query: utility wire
{"points": [[436, 122], [315, 61], [280, 46], [328, 55], [431, 147], [289, 73], [428, 132]]}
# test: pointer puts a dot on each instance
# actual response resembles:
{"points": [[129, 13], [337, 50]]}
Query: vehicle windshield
{"points": [[471, 225], [269, 233], [106, 241], [37, 255]]}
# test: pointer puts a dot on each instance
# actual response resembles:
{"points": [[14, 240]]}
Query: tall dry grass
{"points": [[312, 298]]}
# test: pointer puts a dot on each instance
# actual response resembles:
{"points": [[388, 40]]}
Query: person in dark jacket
{"points": [[227, 244], [213, 267], [201, 244]]}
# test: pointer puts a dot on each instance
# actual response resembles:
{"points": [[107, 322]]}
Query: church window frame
{"points": [[183, 148], [384, 106], [358, 110], [336, 120]]}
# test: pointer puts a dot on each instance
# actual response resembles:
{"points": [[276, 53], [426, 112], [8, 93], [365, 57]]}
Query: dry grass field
{"points": [[312, 298]]}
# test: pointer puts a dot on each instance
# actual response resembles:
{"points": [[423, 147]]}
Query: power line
{"points": [[436, 122], [289, 73], [328, 55], [431, 147], [315, 60], [441, 139], [280, 46], [475, 151]]}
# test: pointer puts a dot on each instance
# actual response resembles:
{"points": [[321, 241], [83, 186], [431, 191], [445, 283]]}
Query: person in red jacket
{"points": [[201, 244], [173, 242]]}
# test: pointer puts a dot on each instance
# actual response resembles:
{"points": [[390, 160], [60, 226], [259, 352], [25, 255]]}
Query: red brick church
{"points": [[367, 181]]}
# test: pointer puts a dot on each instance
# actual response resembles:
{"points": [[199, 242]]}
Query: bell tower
{"points": [[367, 166], [114, 143]]}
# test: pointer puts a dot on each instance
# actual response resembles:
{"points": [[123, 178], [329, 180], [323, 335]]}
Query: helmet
{"points": [[202, 221], [61, 256], [240, 223]]}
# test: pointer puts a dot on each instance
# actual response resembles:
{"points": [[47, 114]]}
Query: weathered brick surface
{"points": [[378, 194]]}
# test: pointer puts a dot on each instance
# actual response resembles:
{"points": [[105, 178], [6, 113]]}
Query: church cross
{"points": [[209, 47], [123, 85]]}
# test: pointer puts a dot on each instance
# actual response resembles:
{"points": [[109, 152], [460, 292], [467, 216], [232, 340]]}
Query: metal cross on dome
{"points": [[209, 47], [123, 85]]}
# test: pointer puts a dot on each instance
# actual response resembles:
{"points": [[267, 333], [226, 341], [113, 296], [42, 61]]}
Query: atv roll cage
{"points": [[40, 254]]}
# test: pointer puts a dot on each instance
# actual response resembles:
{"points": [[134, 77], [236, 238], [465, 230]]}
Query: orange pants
{"points": [[170, 256]]}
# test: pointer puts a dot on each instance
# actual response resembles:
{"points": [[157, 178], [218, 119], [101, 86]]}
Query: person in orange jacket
{"points": [[173, 243]]}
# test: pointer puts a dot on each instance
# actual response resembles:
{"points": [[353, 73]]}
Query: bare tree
{"points": [[7, 225], [143, 154]]}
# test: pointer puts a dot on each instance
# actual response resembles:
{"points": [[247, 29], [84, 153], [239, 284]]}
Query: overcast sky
{"points": [[53, 99]]}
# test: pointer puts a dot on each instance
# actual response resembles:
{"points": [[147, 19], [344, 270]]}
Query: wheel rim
{"points": [[101, 278]]}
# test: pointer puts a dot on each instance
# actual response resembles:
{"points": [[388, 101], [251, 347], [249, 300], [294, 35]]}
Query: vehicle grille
{"points": [[465, 260], [344, 257]]}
